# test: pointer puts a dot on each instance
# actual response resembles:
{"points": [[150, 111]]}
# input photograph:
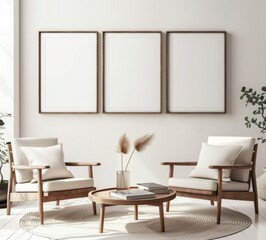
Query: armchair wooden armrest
{"points": [[87, 164], [172, 164], [78, 164], [179, 163], [39, 168], [220, 172], [29, 167], [237, 166]]}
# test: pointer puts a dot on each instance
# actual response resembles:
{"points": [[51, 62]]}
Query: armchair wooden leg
{"points": [[136, 212], [9, 191], [57, 202], [167, 206], [94, 208], [8, 207], [41, 211], [256, 204], [219, 195], [254, 180], [255, 190], [219, 208], [212, 202]]}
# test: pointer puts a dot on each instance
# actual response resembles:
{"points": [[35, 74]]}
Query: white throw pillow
{"points": [[215, 155], [52, 156]]}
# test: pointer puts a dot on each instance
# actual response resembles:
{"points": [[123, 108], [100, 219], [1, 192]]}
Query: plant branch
{"points": [[257, 100], [260, 127]]}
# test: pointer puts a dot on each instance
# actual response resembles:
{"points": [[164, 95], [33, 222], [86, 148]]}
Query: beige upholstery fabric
{"points": [[206, 184], [52, 156], [20, 158], [215, 155], [56, 185], [244, 156]]}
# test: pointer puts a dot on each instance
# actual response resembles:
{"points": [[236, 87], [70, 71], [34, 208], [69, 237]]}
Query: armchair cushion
{"points": [[56, 185], [52, 156], [206, 184], [215, 155], [244, 157], [20, 158]]}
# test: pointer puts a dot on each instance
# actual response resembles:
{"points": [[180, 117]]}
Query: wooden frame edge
{"points": [[167, 72], [39, 71], [103, 72]]}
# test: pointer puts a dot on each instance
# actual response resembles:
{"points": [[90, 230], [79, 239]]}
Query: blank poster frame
{"points": [[88, 52], [180, 51], [155, 89]]}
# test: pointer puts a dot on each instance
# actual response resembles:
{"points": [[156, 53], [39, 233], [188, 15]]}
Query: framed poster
{"points": [[68, 72], [196, 72], [132, 72]]}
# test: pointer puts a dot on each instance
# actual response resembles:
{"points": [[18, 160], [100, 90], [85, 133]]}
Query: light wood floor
{"points": [[9, 225]]}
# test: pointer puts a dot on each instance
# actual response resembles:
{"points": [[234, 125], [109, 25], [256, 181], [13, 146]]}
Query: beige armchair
{"points": [[22, 186], [243, 173]]}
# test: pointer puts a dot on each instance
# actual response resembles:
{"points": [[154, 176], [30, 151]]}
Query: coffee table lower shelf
{"points": [[103, 198]]}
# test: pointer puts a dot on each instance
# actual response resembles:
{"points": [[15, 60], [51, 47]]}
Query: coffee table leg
{"points": [[102, 210], [94, 208], [136, 212], [167, 206], [161, 217]]}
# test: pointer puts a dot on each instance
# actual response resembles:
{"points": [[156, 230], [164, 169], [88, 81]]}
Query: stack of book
{"points": [[154, 187], [132, 194]]}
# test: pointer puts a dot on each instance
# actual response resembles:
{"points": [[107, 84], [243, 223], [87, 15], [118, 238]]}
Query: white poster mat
{"points": [[132, 72], [196, 72], [68, 72]]}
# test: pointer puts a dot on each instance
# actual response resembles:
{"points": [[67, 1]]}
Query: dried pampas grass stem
{"points": [[139, 145]]}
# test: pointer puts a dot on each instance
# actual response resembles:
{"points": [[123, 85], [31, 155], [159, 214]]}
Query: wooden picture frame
{"points": [[196, 71], [68, 71], [132, 66]]}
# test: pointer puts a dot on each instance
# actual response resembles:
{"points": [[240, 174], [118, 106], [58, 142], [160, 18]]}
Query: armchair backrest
{"points": [[19, 157], [244, 157]]}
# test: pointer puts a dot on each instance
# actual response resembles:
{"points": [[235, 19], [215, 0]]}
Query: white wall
{"points": [[178, 137], [9, 69]]}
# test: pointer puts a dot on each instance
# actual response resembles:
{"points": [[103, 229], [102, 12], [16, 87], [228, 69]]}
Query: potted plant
{"points": [[258, 101], [3, 160]]}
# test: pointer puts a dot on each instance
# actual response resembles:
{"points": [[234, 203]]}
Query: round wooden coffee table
{"points": [[103, 198]]}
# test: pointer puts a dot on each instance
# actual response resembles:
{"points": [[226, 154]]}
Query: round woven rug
{"points": [[184, 221]]}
